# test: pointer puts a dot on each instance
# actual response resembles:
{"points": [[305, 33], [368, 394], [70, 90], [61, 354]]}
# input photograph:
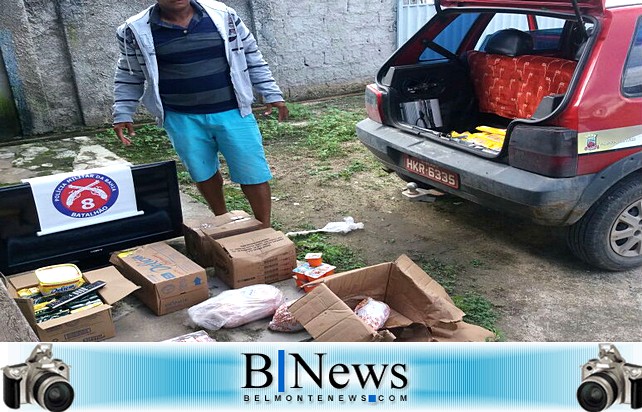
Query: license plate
{"points": [[430, 171]]}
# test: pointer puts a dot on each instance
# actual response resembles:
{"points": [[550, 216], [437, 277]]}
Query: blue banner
{"points": [[396, 376]]}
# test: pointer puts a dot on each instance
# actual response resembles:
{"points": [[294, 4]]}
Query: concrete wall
{"points": [[321, 48], [18, 54], [60, 54], [8, 113]]}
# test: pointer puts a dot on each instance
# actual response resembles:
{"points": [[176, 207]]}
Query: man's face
{"points": [[173, 5]]}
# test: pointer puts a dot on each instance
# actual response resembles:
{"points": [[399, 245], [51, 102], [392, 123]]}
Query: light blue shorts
{"points": [[198, 138]]}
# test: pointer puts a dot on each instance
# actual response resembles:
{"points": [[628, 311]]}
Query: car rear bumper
{"points": [[544, 200]]}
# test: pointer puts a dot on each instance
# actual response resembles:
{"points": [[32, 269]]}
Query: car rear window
{"points": [[450, 37], [545, 31]]}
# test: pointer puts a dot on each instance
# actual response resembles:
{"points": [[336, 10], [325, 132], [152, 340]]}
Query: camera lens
{"points": [[592, 396], [597, 392], [58, 396], [53, 392]]}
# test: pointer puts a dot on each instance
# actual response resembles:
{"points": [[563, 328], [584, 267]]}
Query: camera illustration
{"points": [[608, 380], [41, 379]]}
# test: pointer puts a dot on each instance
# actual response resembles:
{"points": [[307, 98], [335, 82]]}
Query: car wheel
{"points": [[609, 235]]}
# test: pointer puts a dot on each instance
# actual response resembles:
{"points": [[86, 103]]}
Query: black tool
{"points": [[76, 294]]}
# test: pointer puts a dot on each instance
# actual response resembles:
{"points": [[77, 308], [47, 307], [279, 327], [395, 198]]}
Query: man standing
{"points": [[194, 64]]}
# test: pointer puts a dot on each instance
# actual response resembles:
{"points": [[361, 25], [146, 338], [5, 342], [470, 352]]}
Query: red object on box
{"points": [[314, 259], [305, 273]]}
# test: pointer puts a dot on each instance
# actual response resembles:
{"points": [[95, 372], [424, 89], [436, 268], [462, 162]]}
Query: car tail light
{"points": [[548, 151], [374, 103]]}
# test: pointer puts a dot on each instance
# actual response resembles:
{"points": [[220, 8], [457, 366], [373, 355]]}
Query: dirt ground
{"points": [[540, 291]]}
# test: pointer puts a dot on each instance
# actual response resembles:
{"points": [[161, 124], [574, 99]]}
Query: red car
{"points": [[533, 107]]}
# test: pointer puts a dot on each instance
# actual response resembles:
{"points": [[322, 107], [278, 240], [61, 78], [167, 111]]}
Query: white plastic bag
{"points": [[348, 225], [237, 307], [283, 321], [373, 312]]}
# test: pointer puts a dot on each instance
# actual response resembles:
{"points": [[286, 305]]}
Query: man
{"points": [[194, 65]]}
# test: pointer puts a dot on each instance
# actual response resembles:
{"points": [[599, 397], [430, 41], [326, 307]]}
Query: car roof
{"points": [[620, 3], [591, 7]]}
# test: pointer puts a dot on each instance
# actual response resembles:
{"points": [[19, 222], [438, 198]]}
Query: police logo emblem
{"points": [[85, 196]]}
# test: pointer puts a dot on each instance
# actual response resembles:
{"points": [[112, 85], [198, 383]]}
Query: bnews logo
{"points": [[354, 382]]}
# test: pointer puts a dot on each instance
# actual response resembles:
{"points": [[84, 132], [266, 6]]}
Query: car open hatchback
{"points": [[532, 107]]}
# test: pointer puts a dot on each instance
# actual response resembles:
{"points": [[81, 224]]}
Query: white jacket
{"points": [[137, 72]]}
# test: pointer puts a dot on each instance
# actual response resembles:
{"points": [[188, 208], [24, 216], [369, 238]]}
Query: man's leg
{"points": [[260, 198], [212, 191], [198, 151], [239, 140]]}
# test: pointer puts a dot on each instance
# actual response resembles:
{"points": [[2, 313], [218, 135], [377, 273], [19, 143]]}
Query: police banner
{"points": [[81, 198], [230, 377]]}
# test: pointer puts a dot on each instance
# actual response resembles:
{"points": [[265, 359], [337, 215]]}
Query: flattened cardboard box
{"points": [[261, 256], [93, 324], [169, 281], [197, 232], [421, 310]]}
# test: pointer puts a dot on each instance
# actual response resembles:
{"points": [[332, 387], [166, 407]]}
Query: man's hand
{"points": [[281, 107], [119, 129]]}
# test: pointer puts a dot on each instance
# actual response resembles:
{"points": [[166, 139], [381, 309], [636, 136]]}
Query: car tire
{"points": [[609, 235]]}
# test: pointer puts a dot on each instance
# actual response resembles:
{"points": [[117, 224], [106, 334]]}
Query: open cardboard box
{"points": [[421, 310], [198, 232], [168, 280], [93, 324]]}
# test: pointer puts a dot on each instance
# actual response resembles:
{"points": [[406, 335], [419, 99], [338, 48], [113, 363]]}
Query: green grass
{"points": [[337, 255], [235, 199], [479, 310], [321, 133], [184, 177], [299, 111], [443, 273], [150, 144], [292, 129], [326, 174], [328, 132]]}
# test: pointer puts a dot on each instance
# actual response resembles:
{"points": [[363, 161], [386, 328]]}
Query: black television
{"points": [[21, 249]]}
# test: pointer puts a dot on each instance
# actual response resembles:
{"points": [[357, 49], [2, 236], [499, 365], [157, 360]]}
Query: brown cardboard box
{"points": [[421, 310], [90, 325], [261, 256], [197, 231], [169, 281]]}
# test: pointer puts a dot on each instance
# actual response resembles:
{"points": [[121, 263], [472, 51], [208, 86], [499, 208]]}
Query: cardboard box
{"points": [[197, 232], [169, 281], [93, 324], [262, 256], [421, 310]]}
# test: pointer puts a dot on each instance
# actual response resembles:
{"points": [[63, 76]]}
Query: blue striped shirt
{"points": [[194, 76]]}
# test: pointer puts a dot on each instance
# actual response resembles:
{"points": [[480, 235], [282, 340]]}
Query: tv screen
{"points": [[21, 249]]}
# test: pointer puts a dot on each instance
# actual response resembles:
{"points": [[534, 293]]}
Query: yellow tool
{"points": [[492, 130], [488, 137], [28, 292], [91, 305], [38, 307]]}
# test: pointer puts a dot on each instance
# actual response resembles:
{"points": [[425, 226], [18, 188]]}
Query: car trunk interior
{"points": [[469, 99]]}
